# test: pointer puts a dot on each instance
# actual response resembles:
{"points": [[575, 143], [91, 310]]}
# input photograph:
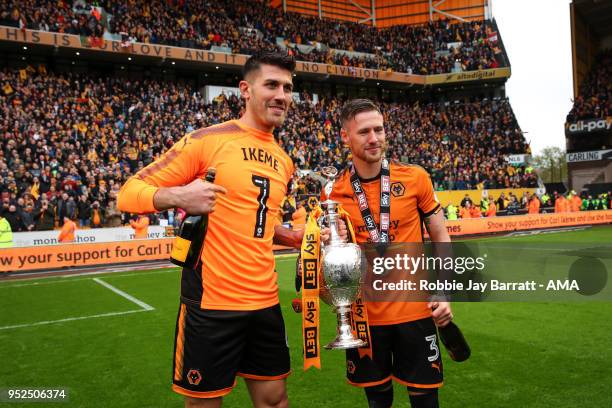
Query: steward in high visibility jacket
{"points": [[6, 233]]}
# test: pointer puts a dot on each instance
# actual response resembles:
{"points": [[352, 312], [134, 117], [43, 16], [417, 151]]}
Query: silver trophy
{"points": [[342, 270]]}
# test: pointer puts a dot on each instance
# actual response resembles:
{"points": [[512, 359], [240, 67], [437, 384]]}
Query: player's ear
{"points": [[344, 135], [245, 91]]}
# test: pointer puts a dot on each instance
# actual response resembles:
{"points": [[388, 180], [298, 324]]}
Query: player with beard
{"points": [[229, 321], [403, 334]]}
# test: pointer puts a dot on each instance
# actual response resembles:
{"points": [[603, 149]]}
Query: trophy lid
{"points": [[330, 173]]}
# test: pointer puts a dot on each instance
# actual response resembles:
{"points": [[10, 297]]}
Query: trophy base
{"points": [[343, 344], [344, 336]]}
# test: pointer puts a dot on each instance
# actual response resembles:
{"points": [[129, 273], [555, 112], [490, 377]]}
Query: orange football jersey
{"points": [[237, 259], [412, 197]]}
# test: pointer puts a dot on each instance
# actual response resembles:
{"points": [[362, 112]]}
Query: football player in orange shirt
{"points": [[404, 337], [229, 322]]}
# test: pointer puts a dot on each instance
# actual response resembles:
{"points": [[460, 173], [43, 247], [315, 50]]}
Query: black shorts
{"points": [[212, 347], [408, 353]]}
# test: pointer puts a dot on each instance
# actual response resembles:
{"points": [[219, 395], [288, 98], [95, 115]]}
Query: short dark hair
{"points": [[354, 107], [276, 59]]}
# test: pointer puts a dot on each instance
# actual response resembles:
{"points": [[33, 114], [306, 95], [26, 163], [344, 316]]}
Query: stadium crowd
{"points": [[510, 204], [70, 140], [247, 25], [595, 98]]}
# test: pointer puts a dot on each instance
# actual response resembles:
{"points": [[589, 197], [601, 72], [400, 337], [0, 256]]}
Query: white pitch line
{"points": [[70, 319], [71, 278], [125, 295]]}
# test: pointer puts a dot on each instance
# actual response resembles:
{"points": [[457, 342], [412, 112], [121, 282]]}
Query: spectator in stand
{"points": [[484, 205], [113, 215], [561, 203], [299, 216], [589, 203], [513, 206], [6, 233], [27, 217], [68, 231], [44, 216], [97, 215], [287, 210], [546, 200], [141, 226], [492, 210], [451, 212], [603, 202], [6, 202], [574, 202], [14, 218], [466, 200], [83, 211], [596, 203], [62, 208], [525, 200], [534, 204], [585, 202], [502, 202], [469, 211], [594, 100]]}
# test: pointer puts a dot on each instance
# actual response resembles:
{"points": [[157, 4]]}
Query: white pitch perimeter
{"points": [[70, 319], [125, 295]]}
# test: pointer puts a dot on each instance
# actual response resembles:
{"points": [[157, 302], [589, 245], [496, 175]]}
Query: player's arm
{"points": [[287, 237], [435, 224], [173, 181], [433, 218], [436, 227], [197, 197]]}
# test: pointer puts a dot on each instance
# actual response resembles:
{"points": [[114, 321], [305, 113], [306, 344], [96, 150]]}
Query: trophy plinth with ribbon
{"points": [[342, 268]]}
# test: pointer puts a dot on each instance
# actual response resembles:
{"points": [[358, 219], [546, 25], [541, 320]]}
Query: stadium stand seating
{"points": [[241, 26], [595, 98], [72, 139], [76, 133]]}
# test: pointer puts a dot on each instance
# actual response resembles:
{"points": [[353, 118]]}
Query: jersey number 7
{"points": [[264, 192]]}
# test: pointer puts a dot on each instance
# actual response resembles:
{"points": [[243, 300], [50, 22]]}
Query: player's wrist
{"points": [[167, 197], [297, 238]]}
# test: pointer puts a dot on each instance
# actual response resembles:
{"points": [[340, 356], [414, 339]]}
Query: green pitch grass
{"points": [[109, 351]]}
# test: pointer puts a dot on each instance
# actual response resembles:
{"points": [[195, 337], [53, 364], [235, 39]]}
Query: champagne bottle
{"points": [[455, 343], [187, 247]]}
